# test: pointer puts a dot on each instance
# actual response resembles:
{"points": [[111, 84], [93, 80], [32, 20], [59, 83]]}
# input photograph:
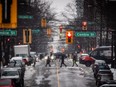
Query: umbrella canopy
{"points": [[59, 54]]}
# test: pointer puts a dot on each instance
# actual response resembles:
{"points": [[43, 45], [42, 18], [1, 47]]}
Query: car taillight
{"points": [[24, 60]]}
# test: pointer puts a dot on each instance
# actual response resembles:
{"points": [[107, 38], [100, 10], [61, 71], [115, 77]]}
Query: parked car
{"points": [[18, 65], [103, 76], [103, 53], [108, 85], [100, 67], [111, 82], [6, 83], [14, 74], [97, 63]]}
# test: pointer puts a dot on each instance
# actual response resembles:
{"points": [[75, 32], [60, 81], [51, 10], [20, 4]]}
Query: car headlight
{"points": [[46, 57], [52, 57]]}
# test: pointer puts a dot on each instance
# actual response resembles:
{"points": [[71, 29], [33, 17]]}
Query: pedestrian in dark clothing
{"points": [[74, 57], [48, 61], [62, 60]]}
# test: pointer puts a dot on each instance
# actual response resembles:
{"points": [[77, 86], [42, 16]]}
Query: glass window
{"points": [[9, 73]]}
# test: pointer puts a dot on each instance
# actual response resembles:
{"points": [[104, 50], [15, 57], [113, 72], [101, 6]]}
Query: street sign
{"points": [[91, 22], [25, 16], [35, 31], [8, 32], [85, 34]]}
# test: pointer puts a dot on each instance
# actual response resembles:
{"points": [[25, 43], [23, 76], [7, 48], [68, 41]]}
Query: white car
{"points": [[17, 62], [12, 73], [18, 59]]}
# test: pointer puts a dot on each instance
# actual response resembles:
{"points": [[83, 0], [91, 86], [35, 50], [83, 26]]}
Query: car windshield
{"points": [[9, 73], [22, 55], [5, 82], [103, 67]]}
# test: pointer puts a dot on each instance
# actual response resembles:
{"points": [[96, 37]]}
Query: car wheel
{"points": [[80, 61]]}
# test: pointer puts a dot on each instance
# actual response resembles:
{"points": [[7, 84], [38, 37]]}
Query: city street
{"points": [[41, 40], [56, 76]]}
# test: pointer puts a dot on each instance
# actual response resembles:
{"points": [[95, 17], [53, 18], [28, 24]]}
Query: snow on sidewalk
{"points": [[29, 72], [114, 73]]}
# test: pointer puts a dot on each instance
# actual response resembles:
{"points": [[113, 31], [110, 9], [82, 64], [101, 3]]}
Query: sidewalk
{"points": [[114, 73], [29, 72]]}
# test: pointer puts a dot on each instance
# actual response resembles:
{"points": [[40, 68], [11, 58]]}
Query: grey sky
{"points": [[60, 4]]}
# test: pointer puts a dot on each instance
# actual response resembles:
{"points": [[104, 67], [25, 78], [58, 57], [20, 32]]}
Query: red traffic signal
{"points": [[69, 34], [84, 25], [8, 40], [60, 28], [69, 37]]}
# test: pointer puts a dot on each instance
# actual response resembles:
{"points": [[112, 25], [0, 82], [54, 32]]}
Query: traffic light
{"points": [[60, 28], [27, 36], [49, 31], [78, 46], [8, 40], [69, 37], [8, 13], [43, 23], [84, 25], [30, 36]]}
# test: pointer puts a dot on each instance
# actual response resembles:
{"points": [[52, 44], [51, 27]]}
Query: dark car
{"points": [[97, 63], [103, 53], [103, 76], [100, 67], [6, 83], [108, 85]]}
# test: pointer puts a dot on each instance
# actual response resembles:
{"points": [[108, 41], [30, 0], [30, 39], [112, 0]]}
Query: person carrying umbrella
{"points": [[62, 60]]}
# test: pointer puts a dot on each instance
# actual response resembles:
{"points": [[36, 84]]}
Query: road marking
{"points": [[57, 70]]}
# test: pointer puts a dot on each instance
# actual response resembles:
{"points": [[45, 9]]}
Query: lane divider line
{"points": [[57, 70]]}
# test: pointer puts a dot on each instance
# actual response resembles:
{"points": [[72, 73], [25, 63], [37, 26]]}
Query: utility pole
{"points": [[101, 22]]}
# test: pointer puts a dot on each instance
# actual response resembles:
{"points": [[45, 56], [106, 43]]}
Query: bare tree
{"points": [[70, 12], [73, 11]]}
